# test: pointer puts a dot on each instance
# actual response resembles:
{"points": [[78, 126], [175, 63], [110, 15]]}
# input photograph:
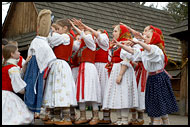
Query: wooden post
{"points": [[183, 83]]}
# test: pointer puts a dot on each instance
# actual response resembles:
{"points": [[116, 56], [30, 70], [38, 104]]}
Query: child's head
{"points": [[100, 30], [4, 42], [121, 33], [87, 31], [154, 38], [63, 26], [10, 51], [54, 27], [44, 23], [146, 30], [13, 42], [77, 37]]}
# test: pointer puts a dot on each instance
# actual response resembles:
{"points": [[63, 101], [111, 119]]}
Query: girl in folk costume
{"points": [[42, 55], [159, 97], [74, 63], [20, 63], [48, 112], [142, 74], [14, 110], [60, 92], [141, 77], [88, 86], [121, 90], [101, 59]]}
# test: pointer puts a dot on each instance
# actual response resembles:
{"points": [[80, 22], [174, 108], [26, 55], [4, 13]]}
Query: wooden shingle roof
{"points": [[106, 14], [180, 30]]}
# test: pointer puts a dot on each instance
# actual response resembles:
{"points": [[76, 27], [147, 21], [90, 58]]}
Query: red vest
{"points": [[64, 51], [85, 54], [6, 81], [20, 62], [116, 55], [101, 55]]}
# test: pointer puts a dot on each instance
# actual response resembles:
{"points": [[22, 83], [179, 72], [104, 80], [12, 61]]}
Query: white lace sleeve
{"points": [[103, 41], [137, 54], [57, 39], [153, 60], [17, 83], [89, 41], [125, 55], [155, 54]]}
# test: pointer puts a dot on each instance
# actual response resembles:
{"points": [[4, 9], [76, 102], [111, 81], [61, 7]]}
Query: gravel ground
{"points": [[174, 119]]}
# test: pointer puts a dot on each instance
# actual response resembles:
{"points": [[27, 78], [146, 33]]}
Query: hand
{"points": [[78, 23], [28, 59], [135, 63], [128, 43], [115, 42], [124, 25], [118, 80], [137, 35], [134, 41], [72, 24]]}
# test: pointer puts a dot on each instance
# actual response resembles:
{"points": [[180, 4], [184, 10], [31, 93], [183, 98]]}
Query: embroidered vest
{"points": [[64, 51]]}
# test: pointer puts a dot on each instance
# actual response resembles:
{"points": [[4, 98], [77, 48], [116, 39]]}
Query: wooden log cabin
{"points": [[181, 32], [20, 22]]}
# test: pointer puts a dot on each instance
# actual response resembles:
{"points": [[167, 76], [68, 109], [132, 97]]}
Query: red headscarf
{"points": [[124, 34], [157, 30], [156, 40]]}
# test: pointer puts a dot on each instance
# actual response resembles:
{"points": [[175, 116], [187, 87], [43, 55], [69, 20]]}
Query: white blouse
{"points": [[17, 83], [57, 39], [153, 60], [89, 41], [43, 52], [102, 41]]}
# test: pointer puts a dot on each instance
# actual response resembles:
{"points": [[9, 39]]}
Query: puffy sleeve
{"points": [[153, 60], [17, 83], [137, 54], [76, 45], [155, 54], [57, 39], [103, 41], [89, 41], [125, 55], [23, 61]]}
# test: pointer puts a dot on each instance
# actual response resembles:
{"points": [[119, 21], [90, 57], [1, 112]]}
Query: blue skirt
{"points": [[159, 96], [34, 90]]}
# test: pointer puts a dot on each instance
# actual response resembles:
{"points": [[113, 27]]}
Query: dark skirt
{"points": [[33, 76], [159, 96]]}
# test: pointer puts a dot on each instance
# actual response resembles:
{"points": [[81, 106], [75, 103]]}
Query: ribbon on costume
{"points": [[81, 73]]}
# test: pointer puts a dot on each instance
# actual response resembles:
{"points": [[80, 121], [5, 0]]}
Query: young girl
{"points": [[14, 110], [88, 86], [42, 55], [60, 89], [159, 97], [121, 90], [141, 75], [101, 59]]}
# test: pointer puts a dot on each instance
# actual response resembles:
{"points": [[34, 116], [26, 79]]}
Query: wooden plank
{"points": [[177, 95], [175, 84]]}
